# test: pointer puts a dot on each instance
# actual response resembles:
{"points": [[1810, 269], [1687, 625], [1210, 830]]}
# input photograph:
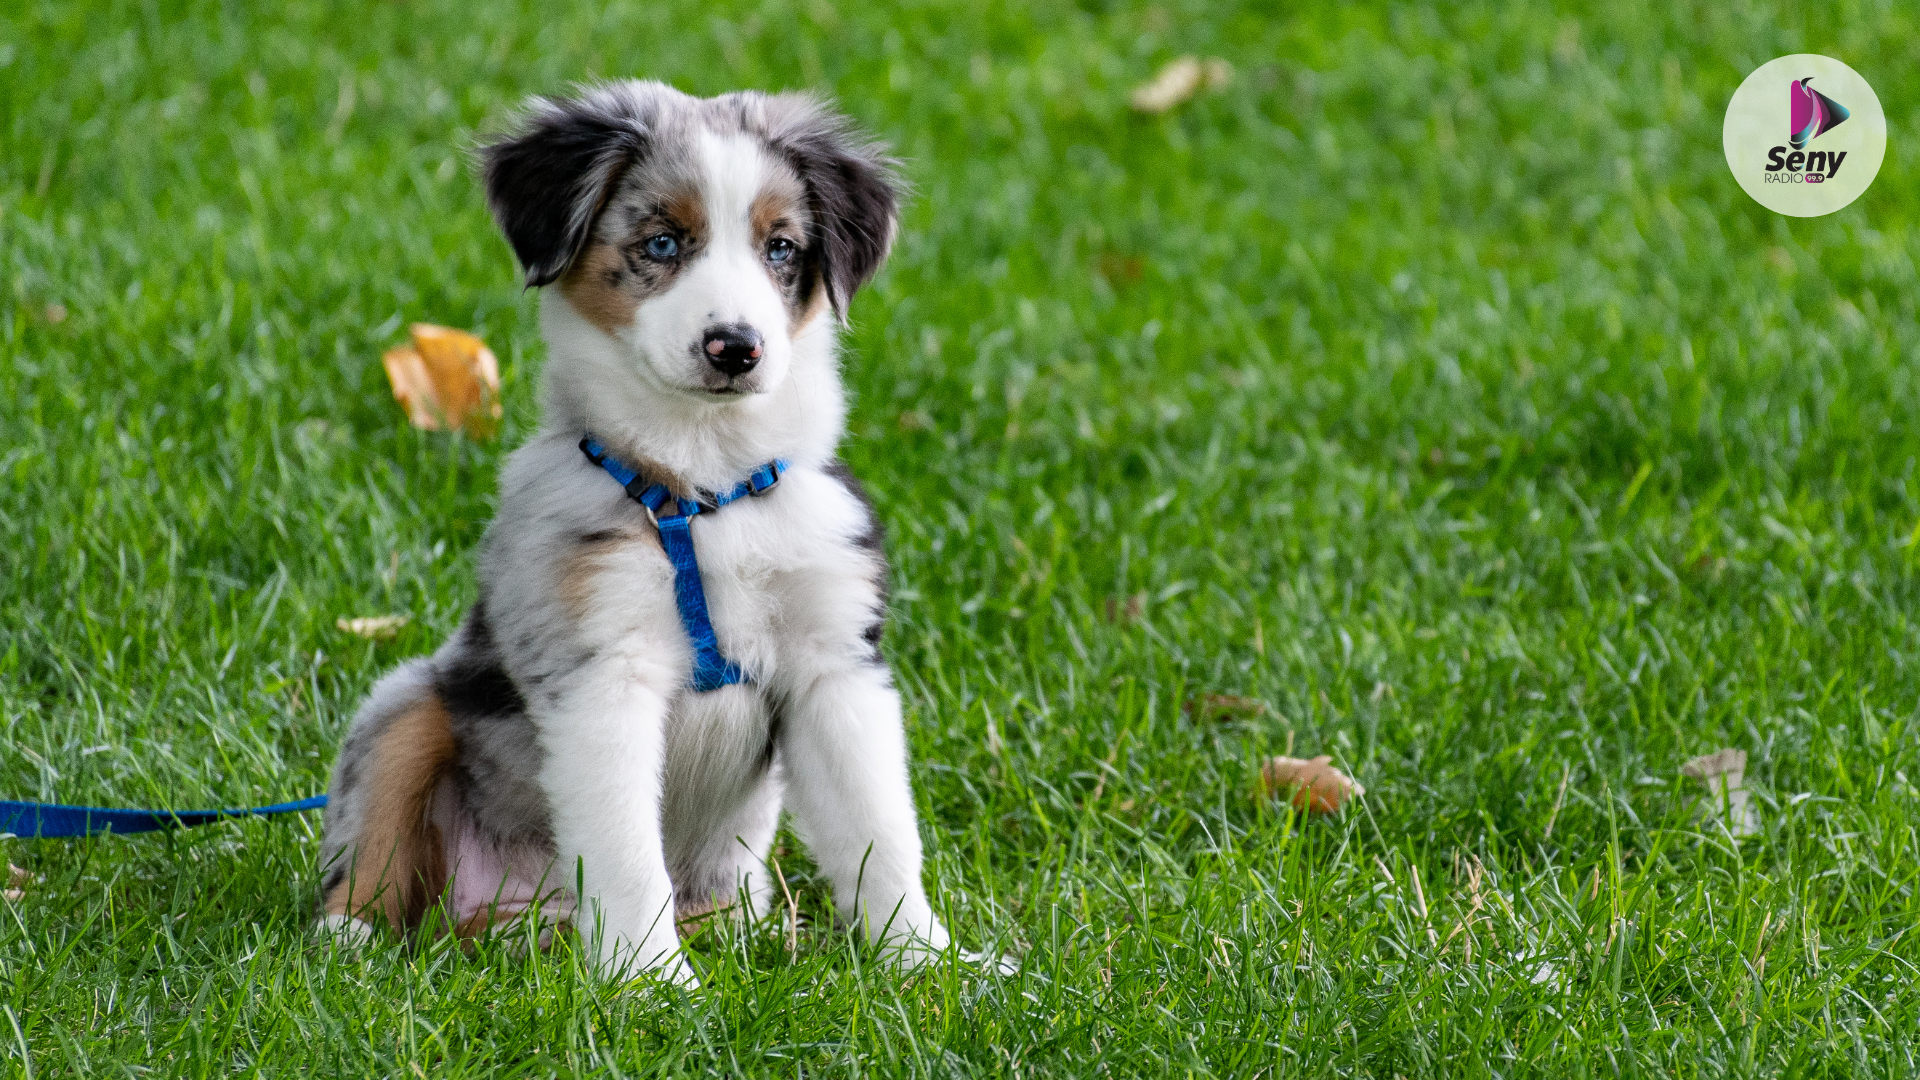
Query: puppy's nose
{"points": [[733, 349]]}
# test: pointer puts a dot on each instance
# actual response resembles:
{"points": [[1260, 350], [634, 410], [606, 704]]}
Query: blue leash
{"points": [[711, 671], [51, 821]]}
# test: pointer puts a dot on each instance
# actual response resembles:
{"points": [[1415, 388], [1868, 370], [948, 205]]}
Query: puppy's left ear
{"points": [[547, 182], [854, 187]]}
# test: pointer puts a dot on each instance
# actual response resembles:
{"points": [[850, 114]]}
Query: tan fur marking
{"points": [[399, 864], [818, 305], [580, 567], [684, 210], [655, 472], [593, 286], [781, 200], [603, 287], [576, 579]]}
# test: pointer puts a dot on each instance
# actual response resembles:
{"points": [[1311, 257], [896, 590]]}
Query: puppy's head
{"points": [[703, 235]]}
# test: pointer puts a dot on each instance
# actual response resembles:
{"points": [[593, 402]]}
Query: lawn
{"points": [[1432, 384]]}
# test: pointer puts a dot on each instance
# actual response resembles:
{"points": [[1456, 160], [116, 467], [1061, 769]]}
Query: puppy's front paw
{"points": [[996, 963], [910, 953], [677, 971], [917, 943], [622, 962], [681, 972], [343, 931]]}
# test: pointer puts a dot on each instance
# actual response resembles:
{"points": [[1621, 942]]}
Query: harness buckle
{"points": [[587, 447], [756, 489]]}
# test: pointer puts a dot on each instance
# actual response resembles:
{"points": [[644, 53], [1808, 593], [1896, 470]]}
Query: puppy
{"points": [[695, 258]]}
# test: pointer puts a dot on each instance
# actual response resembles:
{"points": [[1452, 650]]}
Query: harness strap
{"points": [[52, 821], [711, 670]]}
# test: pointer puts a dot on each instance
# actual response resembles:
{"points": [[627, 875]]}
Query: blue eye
{"points": [[779, 249], [663, 246]]}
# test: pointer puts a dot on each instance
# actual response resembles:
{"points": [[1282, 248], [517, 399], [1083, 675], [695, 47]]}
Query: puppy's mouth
{"points": [[739, 386]]}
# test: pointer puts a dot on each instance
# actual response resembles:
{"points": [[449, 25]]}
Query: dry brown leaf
{"points": [[19, 880], [1129, 612], [1179, 80], [448, 379], [1212, 706], [1310, 785], [372, 627], [1724, 774], [1728, 762], [1120, 269]]}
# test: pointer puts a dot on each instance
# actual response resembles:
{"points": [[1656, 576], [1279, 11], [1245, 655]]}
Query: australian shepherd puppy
{"points": [[695, 259]]}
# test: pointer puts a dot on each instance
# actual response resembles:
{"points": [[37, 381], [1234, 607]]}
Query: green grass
{"points": [[1433, 383]]}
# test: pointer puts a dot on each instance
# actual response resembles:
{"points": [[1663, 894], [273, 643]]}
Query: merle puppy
{"points": [[696, 258]]}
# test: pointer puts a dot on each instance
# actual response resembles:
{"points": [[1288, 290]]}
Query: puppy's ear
{"points": [[548, 181], [852, 183]]}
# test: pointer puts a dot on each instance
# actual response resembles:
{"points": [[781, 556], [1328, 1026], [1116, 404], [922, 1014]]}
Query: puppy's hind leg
{"points": [[382, 853]]}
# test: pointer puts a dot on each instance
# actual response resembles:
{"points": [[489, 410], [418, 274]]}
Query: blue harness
{"points": [[711, 671]]}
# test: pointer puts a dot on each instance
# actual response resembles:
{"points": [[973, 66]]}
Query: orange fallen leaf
{"points": [[448, 379], [1310, 785], [372, 627], [412, 386]]}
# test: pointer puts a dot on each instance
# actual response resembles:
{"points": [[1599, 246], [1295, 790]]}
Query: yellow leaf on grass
{"points": [[447, 380], [1308, 784], [372, 627]]}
